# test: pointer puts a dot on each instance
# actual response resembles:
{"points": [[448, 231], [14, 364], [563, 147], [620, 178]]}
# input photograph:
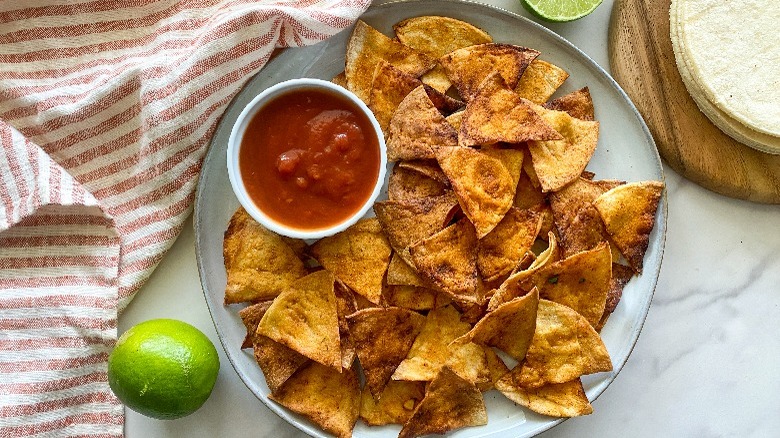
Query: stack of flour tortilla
{"points": [[728, 54]]}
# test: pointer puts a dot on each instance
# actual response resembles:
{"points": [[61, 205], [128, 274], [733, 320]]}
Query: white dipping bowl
{"points": [[234, 147]]}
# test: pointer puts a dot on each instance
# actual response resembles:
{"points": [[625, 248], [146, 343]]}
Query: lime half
{"points": [[560, 10]]}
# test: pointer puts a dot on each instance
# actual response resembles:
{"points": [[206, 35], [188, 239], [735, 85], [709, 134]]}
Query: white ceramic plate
{"points": [[625, 151]]}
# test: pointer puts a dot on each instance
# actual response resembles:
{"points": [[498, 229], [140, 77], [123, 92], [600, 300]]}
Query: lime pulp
{"points": [[560, 10]]}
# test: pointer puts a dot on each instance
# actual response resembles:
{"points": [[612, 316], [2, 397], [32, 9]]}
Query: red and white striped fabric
{"points": [[106, 109]]}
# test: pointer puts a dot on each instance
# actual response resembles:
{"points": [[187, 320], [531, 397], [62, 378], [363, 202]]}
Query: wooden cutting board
{"points": [[642, 62]]}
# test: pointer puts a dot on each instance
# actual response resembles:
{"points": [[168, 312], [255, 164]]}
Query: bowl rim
{"points": [[234, 146]]}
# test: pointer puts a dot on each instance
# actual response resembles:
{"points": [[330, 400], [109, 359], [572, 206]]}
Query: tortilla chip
{"points": [[362, 302], [417, 127], [621, 275], [578, 222], [628, 212], [326, 397], [436, 36], [395, 405], [469, 66], [410, 221], [345, 305], [559, 162], [456, 119], [383, 337], [431, 350], [448, 260], [580, 282], [259, 264], [566, 399], [340, 80], [496, 367], [501, 250], [482, 182], [358, 256], [450, 402], [429, 168], [251, 317], [445, 104], [388, 89], [510, 327], [415, 298], [577, 104], [564, 347], [366, 47], [437, 79], [497, 114], [305, 319], [299, 247], [405, 184], [539, 81], [278, 362], [400, 273]]}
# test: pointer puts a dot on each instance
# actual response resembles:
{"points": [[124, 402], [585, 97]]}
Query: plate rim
{"points": [[660, 225]]}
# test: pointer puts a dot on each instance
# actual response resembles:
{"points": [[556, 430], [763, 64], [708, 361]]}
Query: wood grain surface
{"points": [[642, 62]]}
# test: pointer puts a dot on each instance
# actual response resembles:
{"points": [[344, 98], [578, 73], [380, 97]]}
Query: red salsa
{"points": [[309, 159]]}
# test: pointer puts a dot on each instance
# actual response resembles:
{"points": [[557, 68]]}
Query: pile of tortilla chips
{"points": [[493, 264]]}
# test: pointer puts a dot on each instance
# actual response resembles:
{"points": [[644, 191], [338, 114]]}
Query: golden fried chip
{"points": [[326, 397], [400, 273], [340, 80], [345, 305], [417, 127], [518, 284], [564, 347], [469, 66], [395, 405], [445, 104], [577, 103], [367, 46], [383, 337], [299, 247], [405, 184], [620, 276], [429, 168], [410, 221], [278, 362], [437, 79], [501, 250], [432, 350], [388, 89], [305, 319], [358, 256], [415, 298], [448, 260], [259, 264], [578, 222], [436, 36], [450, 402], [456, 119], [566, 399], [251, 317], [510, 327], [580, 282], [496, 367], [628, 212], [497, 114], [539, 81], [559, 162], [483, 183]]}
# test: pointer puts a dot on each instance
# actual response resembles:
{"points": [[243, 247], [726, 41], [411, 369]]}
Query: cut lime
{"points": [[560, 10]]}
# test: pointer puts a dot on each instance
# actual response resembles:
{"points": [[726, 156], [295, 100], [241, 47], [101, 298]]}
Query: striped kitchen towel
{"points": [[106, 109]]}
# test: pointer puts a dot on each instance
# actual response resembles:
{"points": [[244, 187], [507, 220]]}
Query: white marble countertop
{"points": [[707, 361]]}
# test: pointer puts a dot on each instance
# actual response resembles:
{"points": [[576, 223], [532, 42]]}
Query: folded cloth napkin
{"points": [[106, 110]]}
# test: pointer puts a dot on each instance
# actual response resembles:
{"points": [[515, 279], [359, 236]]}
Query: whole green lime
{"points": [[560, 10], [163, 368]]}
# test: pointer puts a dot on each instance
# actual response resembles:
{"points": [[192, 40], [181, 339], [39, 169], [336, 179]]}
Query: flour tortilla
{"points": [[725, 122], [731, 54]]}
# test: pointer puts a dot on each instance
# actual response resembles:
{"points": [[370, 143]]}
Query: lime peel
{"points": [[559, 11]]}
